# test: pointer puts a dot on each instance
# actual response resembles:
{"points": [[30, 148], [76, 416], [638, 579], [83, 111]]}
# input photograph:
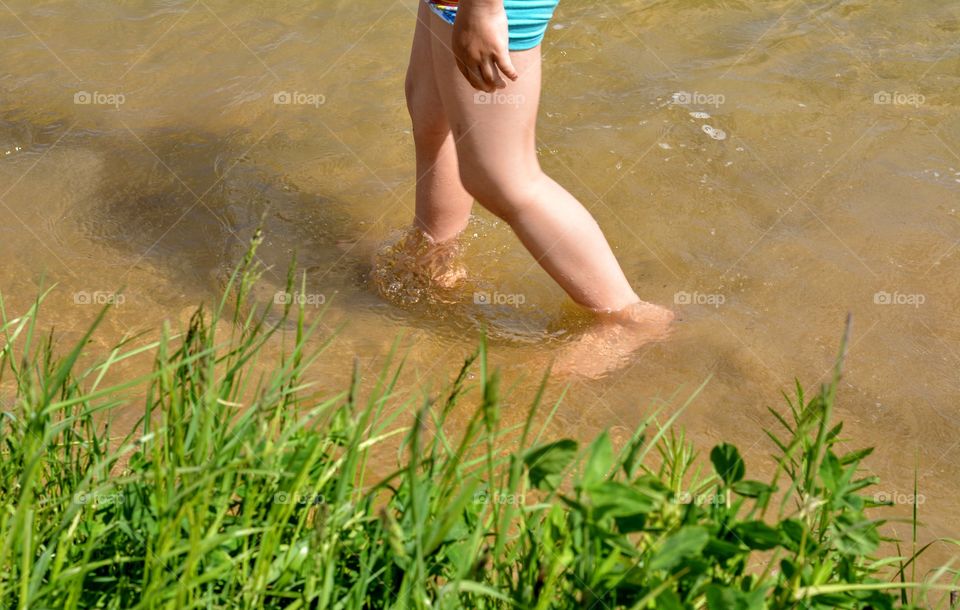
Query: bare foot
{"points": [[412, 268], [615, 336]]}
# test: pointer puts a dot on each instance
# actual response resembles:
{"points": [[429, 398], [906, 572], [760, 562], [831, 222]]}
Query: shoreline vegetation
{"points": [[244, 489]]}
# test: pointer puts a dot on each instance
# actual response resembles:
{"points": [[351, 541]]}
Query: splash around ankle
{"points": [[412, 267]]}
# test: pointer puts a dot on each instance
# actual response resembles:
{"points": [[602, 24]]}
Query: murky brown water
{"points": [[147, 139]]}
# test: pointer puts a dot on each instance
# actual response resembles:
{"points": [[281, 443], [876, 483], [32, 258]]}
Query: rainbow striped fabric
{"points": [[447, 9]]}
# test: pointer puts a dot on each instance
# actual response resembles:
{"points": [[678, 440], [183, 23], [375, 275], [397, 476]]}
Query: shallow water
{"points": [[764, 167]]}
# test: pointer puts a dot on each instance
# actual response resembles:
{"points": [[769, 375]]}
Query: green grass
{"points": [[243, 488]]}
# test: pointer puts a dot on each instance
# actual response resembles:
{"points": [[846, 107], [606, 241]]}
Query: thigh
{"points": [[423, 97], [491, 129]]}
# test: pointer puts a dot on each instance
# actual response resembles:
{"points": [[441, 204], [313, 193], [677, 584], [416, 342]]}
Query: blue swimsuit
{"points": [[527, 20]]}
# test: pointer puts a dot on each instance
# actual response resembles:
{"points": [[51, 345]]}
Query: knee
{"points": [[426, 114], [505, 192]]}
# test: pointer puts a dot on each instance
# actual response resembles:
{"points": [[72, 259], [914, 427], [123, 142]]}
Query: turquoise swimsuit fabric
{"points": [[527, 20]]}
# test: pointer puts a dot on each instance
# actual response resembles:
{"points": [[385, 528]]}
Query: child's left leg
{"points": [[442, 204], [423, 263]]}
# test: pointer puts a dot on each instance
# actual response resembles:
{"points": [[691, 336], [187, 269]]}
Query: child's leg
{"points": [[495, 143], [442, 204]]}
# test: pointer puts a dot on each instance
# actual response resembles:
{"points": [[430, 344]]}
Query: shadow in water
{"points": [[184, 204], [190, 202]]}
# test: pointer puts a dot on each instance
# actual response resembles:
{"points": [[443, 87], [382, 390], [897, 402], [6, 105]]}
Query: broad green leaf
{"points": [[757, 535], [599, 461], [728, 598], [668, 600], [546, 463], [793, 532], [721, 598], [613, 498], [831, 472], [723, 549], [854, 534], [751, 489], [727, 462], [687, 542]]}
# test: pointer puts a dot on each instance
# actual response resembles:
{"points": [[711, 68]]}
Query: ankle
{"points": [[639, 312], [435, 238], [618, 305]]}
